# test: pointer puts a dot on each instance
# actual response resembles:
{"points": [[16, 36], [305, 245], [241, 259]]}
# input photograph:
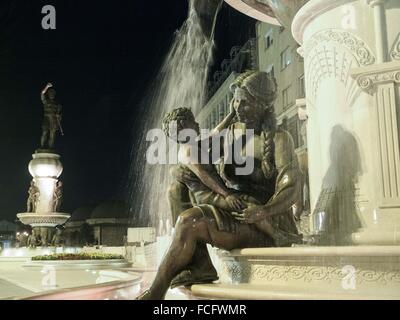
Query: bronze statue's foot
{"points": [[149, 295], [144, 296], [187, 278]]}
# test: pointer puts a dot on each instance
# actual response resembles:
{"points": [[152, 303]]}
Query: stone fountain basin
{"points": [[52, 219], [112, 285]]}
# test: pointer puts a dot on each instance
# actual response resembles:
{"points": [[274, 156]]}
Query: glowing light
{"points": [[46, 170], [47, 186]]}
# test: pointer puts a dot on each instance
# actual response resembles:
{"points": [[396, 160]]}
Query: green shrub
{"points": [[78, 256]]}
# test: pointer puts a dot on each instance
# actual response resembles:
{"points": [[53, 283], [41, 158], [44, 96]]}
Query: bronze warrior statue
{"points": [[57, 239], [33, 196], [45, 236], [51, 117], [33, 239], [275, 184], [58, 192]]}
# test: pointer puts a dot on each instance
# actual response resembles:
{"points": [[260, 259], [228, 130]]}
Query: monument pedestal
{"points": [[45, 168]]}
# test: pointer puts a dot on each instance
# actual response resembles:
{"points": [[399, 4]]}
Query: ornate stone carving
{"points": [[395, 52], [333, 54], [359, 49], [244, 271], [49, 220], [370, 78]]}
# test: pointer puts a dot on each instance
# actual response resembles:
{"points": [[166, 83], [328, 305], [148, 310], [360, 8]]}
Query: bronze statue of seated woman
{"points": [[275, 183]]}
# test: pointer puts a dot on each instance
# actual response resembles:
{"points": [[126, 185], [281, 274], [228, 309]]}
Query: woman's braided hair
{"points": [[262, 87]]}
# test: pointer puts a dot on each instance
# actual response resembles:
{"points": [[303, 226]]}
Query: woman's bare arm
{"points": [[224, 124]]}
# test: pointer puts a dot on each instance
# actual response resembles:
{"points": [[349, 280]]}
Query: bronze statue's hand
{"points": [[250, 215], [49, 85], [235, 202]]}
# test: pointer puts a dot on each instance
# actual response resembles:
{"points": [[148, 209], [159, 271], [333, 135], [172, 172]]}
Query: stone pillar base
{"points": [[356, 272]]}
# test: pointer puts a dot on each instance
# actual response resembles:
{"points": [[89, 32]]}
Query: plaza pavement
{"points": [[17, 281]]}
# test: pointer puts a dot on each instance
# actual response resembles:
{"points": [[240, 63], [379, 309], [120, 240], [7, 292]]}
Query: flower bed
{"points": [[78, 256]]}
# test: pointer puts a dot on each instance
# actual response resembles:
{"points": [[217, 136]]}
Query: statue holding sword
{"points": [[51, 117]]}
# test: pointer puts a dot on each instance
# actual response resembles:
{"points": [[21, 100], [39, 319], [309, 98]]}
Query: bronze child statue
{"points": [[196, 175]]}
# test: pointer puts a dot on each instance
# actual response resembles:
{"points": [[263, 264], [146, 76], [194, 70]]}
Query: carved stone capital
{"points": [[368, 78]]}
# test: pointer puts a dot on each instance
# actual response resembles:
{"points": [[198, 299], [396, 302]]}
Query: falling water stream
{"points": [[181, 83]]}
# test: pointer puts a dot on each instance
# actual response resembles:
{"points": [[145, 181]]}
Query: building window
{"points": [[286, 58], [268, 39], [286, 98], [221, 111], [215, 119], [302, 87], [228, 104]]}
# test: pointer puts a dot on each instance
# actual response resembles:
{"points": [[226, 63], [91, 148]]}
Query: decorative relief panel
{"points": [[246, 271], [332, 54], [346, 39]]}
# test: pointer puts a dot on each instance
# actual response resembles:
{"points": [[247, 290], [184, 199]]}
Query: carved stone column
{"points": [[352, 92], [380, 29], [381, 83]]}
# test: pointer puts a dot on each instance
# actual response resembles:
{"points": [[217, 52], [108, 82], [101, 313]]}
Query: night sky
{"points": [[101, 59]]}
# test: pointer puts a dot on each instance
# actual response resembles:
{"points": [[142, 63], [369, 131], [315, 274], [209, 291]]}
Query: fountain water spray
{"points": [[181, 83]]}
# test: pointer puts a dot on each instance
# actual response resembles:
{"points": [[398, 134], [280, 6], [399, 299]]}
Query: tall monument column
{"points": [[352, 88], [45, 192]]}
